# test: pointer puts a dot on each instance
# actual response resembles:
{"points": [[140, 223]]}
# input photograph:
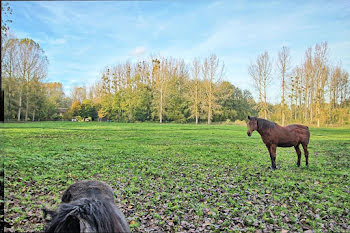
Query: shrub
{"points": [[239, 122]]}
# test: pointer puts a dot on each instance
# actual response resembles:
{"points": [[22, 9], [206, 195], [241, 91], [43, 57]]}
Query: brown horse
{"points": [[274, 135]]}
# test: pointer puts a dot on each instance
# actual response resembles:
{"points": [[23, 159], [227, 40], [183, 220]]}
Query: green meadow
{"points": [[175, 177]]}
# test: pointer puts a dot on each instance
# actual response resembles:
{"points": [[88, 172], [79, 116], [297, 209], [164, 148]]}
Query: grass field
{"points": [[175, 177]]}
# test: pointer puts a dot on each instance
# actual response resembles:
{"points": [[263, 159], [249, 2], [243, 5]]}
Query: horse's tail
{"points": [[88, 215], [307, 133]]}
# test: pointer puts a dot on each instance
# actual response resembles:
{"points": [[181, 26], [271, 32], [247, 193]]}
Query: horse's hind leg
{"points": [[298, 153], [306, 152]]}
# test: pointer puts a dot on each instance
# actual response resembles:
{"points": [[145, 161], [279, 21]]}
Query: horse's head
{"points": [[88, 189], [252, 125]]}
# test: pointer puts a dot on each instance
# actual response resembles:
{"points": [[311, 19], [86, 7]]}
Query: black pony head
{"points": [[90, 213]]}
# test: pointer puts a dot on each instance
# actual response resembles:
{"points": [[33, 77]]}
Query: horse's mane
{"points": [[265, 124], [87, 215]]}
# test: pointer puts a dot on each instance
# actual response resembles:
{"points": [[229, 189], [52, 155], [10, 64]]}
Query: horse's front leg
{"points": [[273, 155], [272, 151]]}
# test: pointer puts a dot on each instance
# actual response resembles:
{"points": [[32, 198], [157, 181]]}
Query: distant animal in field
{"points": [[87, 206], [274, 135]]}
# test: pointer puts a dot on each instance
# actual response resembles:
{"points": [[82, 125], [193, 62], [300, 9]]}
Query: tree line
{"points": [[26, 94], [158, 89], [166, 89], [313, 92], [163, 89]]}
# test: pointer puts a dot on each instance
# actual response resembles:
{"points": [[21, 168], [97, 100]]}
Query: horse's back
{"points": [[299, 126], [301, 131]]}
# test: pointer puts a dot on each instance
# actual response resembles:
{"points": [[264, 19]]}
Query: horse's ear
{"points": [[66, 197], [248, 117]]}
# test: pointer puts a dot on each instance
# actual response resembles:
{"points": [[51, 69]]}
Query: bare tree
{"points": [[308, 69], [296, 83], [195, 89], [79, 94], [344, 87], [320, 76], [334, 86], [260, 71], [212, 72], [32, 65], [106, 80], [9, 70], [283, 65], [160, 78]]}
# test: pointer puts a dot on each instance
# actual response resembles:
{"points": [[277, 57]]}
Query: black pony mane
{"points": [[87, 215], [87, 206]]}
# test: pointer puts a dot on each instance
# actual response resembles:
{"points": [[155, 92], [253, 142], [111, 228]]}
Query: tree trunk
{"points": [[27, 108], [27, 99], [305, 104], [299, 108], [265, 101], [311, 106], [20, 106], [209, 104], [161, 107], [265, 108], [8, 103], [196, 114], [318, 110], [283, 100], [209, 114], [295, 110], [196, 103], [33, 115]]}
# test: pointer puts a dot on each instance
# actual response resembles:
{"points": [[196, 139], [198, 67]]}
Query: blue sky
{"points": [[81, 38]]}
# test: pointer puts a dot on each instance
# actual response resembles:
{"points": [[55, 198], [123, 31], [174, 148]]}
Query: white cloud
{"points": [[215, 4], [138, 51], [57, 41]]}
